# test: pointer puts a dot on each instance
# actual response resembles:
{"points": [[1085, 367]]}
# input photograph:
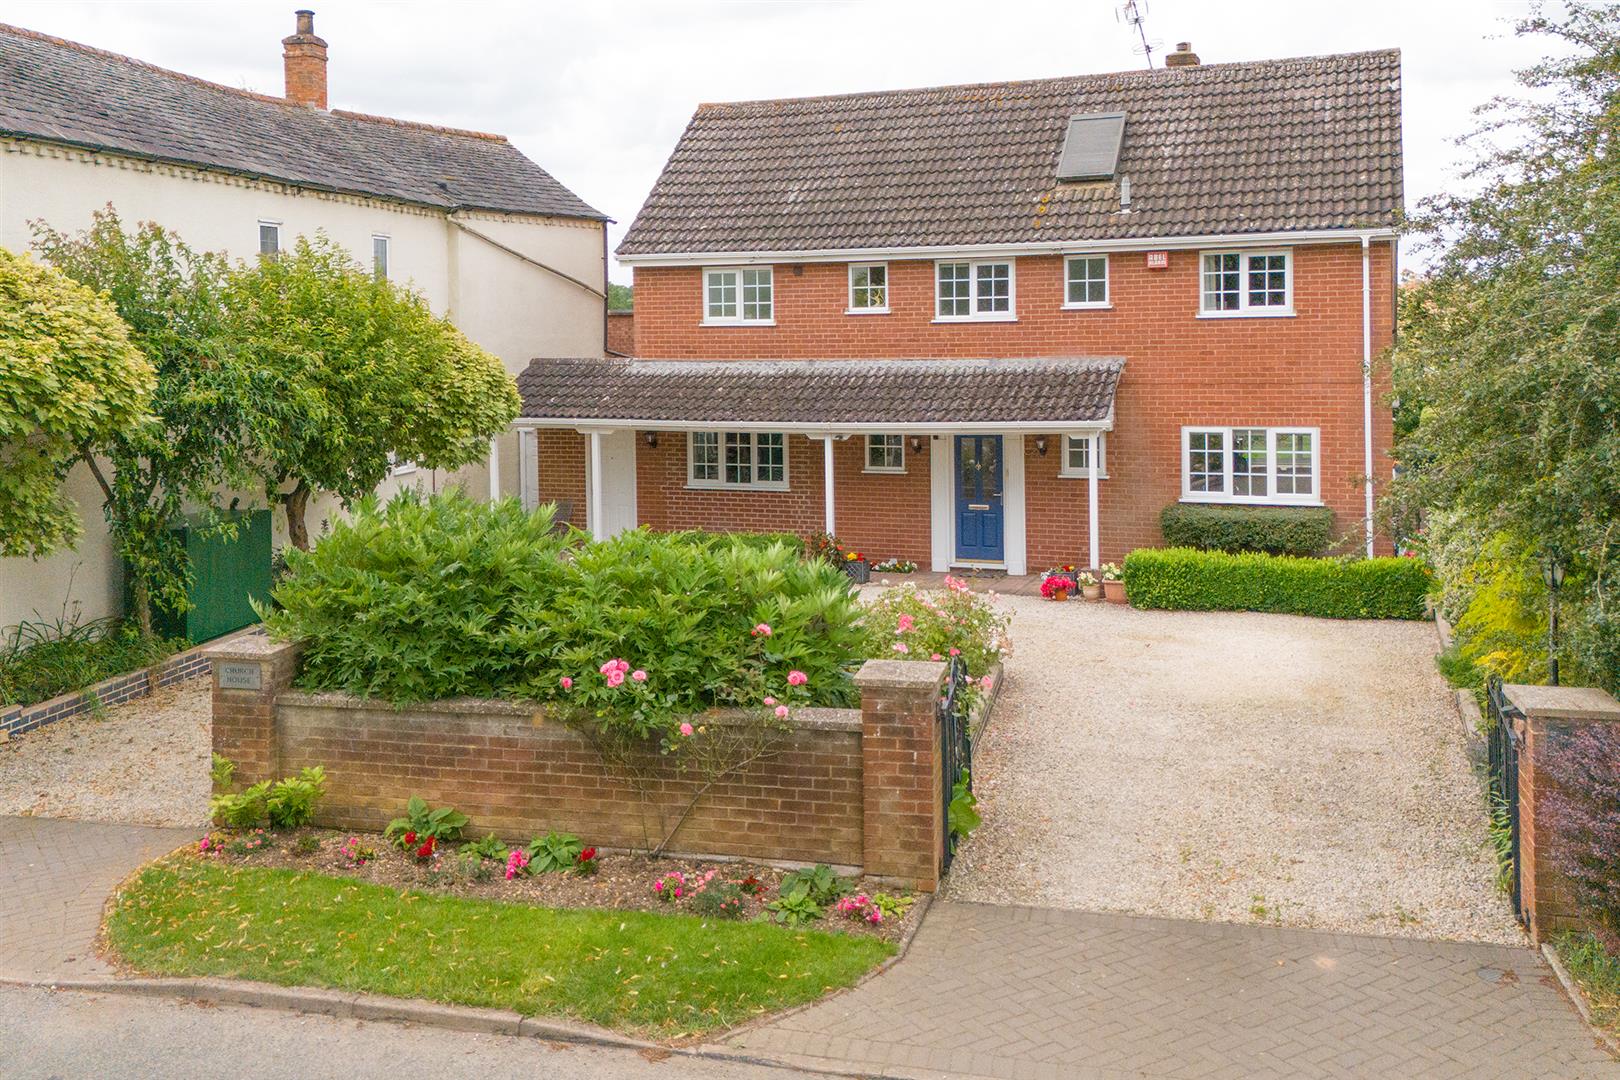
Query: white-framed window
{"points": [[868, 288], [1077, 456], [738, 295], [1251, 464], [743, 459], [396, 467], [967, 291], [886, 453], [1238, 283], [270, 239], [1085, 281], [379, 256]]}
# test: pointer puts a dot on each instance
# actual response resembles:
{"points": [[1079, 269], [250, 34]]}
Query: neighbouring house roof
{"points": [[1271, 146], [1057, 390], [71, 94]]}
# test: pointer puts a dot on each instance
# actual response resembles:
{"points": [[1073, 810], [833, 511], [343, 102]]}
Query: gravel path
{"points": [[144, 763], [1231, 766]]}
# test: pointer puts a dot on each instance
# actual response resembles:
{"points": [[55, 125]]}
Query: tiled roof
{"points": [[68, 93], [1271, 146], [1050, 390]]}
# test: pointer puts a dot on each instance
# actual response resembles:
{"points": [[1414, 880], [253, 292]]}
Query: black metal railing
{"points": [[956, 749], [1506, 739]]}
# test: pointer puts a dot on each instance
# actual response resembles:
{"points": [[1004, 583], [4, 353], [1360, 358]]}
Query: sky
{"points": [[598, 93]]}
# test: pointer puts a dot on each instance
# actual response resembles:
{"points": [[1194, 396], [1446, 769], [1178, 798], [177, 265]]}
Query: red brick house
{"points": [[1003, 325]]}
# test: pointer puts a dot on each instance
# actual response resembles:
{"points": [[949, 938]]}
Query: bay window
{"points": [[1250, 464]]}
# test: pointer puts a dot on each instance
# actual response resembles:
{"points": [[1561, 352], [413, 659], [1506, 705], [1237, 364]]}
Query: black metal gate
{"points": [[1506, 740], [956, 749]]}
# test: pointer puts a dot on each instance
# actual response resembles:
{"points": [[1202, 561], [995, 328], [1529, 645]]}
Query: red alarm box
{"points": [[1158, 260]]}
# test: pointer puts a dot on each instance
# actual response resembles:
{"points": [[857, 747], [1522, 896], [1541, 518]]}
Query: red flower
{"points": [[410, 838], [426, 850], [587, 855]]}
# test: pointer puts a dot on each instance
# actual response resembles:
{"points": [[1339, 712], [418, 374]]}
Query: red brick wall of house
{"points": [[621, 332], [1180, 370], [562, 473]]}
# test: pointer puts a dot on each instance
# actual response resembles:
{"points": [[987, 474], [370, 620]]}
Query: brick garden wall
{"points": [[1180, 370]]}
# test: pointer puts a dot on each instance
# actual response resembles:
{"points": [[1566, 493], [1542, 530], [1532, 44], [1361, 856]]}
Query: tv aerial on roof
{"points": [[1133, 13]]}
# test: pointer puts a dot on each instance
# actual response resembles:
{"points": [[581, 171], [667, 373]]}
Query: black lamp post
{"points": [[1553, 574]]}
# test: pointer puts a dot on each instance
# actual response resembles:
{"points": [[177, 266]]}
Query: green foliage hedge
{"points": [[1273, 530], [38, 661], [432, 598], [1183, 579]]}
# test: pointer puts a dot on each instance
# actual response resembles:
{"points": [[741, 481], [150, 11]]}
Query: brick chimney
{"points": [[304, 56], [1182, 57]]}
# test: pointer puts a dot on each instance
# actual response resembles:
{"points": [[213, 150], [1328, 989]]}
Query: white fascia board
{"points": [[587, 425], [981, 251]]}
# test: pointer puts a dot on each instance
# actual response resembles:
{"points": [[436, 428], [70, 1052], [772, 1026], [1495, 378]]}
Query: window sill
{"points": [[975, 318], [1064, 474], [699, 485], [1283, 314], [866, 311], [883, 472], [1087, 307], [1227, 501], [738, 322]]}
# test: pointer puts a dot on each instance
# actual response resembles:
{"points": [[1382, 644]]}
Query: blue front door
{"points": [[978, 499]]}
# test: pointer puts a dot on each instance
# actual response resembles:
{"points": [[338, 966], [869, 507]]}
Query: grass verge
{"points": [[1598, 975], [665, 975]]}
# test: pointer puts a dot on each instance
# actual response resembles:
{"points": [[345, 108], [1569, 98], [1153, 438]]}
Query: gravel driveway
{"points": [[1231, 766], [144, 763]]}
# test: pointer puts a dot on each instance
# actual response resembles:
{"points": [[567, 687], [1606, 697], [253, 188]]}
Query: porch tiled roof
{"points": [[1057, 390]]}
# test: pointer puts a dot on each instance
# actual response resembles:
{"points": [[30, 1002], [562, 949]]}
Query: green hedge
{"points": [[1274, 530], [1183, 579]]}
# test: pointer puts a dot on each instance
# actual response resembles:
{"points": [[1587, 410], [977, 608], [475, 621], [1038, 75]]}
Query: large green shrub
{"points": [[1273, 530], [438, 597], [1187, 580]]}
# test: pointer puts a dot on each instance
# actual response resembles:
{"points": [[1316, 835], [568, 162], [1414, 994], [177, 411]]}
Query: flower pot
{"points": [[1091, 592], [1114, 592], [1060, 595], [859, 570]]}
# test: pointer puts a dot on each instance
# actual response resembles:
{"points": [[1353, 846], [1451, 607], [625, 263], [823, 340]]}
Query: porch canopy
{"points": [[823, 399]]}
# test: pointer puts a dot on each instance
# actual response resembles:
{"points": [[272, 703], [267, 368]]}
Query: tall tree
{"points": [[190, 444], [69, 378], [345, 372], [1509, 351]]}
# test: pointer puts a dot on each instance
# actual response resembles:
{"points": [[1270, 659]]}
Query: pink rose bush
{"points": [[937, 623]]}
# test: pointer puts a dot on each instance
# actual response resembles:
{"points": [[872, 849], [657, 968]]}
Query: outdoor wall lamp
{"points": [[652, 439], [1040, 445], [1552, 572], [916, 444]]}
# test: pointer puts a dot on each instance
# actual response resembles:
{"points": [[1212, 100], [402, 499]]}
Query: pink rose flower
{"points": [[639, 675], [770, 701], [936, 656], [686, 729], [901, 647], [797, 678], [762, 630], [955, 651], [615, 677], [781, 712], [566, 682], [906, 623]]}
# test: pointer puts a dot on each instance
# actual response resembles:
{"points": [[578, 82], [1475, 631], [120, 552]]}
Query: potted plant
{"points": [[1090, 587], [1057, 587], [1113, 583], [856, 566]]}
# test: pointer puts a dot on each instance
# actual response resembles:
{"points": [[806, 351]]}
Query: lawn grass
{"points": [[1598, 975], [666, 975]]}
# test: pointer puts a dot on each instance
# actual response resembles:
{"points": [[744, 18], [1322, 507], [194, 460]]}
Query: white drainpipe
{"points": [[1366, 381]]}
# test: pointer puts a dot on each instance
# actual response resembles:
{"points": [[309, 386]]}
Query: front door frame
{"points": [[942, 501], [981, 499]]}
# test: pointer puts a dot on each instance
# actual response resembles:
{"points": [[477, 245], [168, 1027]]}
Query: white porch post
{"points": [[595, 480], [494, 468], [827, 483], [1091, 500], [529, 467]]}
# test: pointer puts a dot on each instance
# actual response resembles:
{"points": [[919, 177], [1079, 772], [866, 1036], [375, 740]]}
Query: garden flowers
{"points": [[761, 630], [566, 683], [517, 862], [797, 678], [686, 729], [614, 671]]}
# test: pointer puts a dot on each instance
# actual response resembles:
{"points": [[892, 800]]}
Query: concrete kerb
{"points": [[1572, 990]]}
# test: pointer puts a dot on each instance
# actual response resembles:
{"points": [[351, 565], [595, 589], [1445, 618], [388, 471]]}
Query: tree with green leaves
{"points": [[70, 378], [189, 446], [344, 372], [1509, 351]]}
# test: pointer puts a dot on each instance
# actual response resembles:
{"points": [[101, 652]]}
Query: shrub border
{"points": [[116, 690]]}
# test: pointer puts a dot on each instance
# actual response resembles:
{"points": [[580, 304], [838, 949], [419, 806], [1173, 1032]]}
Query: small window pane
{"points": [[723, 294], [770, 463], [269, 240], [1268, 280], [1222, 288], [1206, 461], [1249, 461], [1088, 280], [869, 287], [739, 457], [1294, 454], [954, 290], [705, 455], [886, 452], [994, 287], [756, 294], [379, 257]]}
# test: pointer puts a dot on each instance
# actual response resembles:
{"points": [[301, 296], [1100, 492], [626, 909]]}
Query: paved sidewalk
{"points": [[58, 875], [1030, 993]]}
